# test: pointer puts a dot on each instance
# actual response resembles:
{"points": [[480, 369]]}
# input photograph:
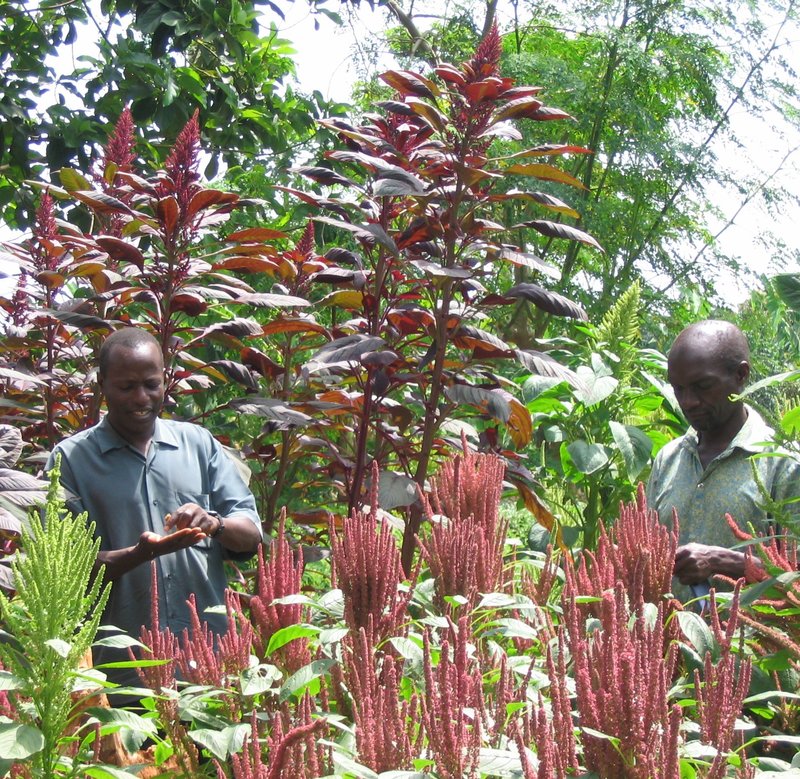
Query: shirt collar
{"points": [[108, 438], [752, 436]]}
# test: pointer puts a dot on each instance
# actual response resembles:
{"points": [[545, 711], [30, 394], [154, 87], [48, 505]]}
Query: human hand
{"points": [[153, 545], [190, 515], [696, 563]]}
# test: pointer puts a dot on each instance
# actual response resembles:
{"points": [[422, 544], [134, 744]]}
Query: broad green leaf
{"points": [[299, 681], [123, 718], [396, 489], [10, 682], [19, 742], [222, 743], [635, 446], [59, 646], [289, 633], [259, 679], [597, 388], [698, 633], [513, 628], [499, 762], [586, 457]]}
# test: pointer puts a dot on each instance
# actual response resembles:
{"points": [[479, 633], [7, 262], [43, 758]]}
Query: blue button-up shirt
{"points": [[126, 493]]}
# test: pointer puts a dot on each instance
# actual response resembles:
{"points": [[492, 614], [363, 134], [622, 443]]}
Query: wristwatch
{"points": [[220, 527]]}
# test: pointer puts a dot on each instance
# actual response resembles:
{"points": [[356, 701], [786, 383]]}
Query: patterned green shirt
{"points": [[702, 496]]}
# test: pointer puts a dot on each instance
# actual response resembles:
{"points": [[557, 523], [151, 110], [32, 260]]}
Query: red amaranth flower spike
{"points": [[451, 705], [279, 577]]}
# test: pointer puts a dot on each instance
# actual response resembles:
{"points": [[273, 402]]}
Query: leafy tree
{"points": [[654, 87], [165, 61]]}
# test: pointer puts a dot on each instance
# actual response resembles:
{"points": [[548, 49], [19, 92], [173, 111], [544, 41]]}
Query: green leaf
{"points": [[19, 742], [297, 683], [222, 743], [289, 633], [586, 457], [260, 679], [10, 682], [59, 646], [597, 388], [635, 446], [698, 633]]}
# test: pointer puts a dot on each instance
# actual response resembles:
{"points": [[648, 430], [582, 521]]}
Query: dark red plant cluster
{"points": [[637, 550], [464, 544], [365, 564]]}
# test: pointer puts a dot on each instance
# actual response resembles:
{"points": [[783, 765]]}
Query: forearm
{"points": [[240, 534], [117, 562]]}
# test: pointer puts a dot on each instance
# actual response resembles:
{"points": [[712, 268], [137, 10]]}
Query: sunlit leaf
{"points": [[541, 170], [407, 82], [552, 302], [635, 446]]}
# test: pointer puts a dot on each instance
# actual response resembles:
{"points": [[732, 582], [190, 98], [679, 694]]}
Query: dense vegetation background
{"points": [[490, 247]]}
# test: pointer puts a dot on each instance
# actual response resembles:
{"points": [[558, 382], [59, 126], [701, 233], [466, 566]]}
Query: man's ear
{"points": [[743, 371]]}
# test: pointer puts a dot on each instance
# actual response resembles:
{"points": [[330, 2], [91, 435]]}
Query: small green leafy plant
{"points": [[48, 626]]}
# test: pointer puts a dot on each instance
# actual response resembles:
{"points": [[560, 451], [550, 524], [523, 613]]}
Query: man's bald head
{"points": [[708, 365], [714, 340]]}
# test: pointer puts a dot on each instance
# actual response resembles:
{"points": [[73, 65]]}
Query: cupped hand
{"points": [[155, 545]]}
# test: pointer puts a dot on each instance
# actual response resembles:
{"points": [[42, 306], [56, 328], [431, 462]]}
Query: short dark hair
{"points": [[126, 338]]}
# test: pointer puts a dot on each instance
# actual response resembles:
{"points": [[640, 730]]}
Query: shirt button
{"points": [[700, 486], [155, 502]]}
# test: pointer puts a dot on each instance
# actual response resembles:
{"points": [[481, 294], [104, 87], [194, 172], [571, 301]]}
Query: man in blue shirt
{"points": [[156, 490]]}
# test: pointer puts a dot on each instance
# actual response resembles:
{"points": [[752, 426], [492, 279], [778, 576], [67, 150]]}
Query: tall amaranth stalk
{"points": [[365, 561], [464, 547]]}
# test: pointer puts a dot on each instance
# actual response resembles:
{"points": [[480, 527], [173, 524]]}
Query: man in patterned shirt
{"points": [[709, 472]]}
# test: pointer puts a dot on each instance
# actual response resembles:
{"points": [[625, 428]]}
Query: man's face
{"points": [[133, 386], [703, 386]]}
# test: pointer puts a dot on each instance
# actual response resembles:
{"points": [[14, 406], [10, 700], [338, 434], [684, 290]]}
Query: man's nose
{"points": [[688, 399], [141, 396]]}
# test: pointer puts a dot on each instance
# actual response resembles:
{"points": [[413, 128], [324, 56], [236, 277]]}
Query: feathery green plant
{"points": [[50, 623], [619, 328]]}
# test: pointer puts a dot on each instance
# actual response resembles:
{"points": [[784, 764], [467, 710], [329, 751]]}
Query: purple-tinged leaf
{"points": [[544, 365], [483, 343], [255, 235], [269, 300], [237, 372], [432, 115], [542, 198], [81, 321], [542, 298], [261, 363], [102, 203], [435, 270], [275, 410], [120, 251], [334, 275], [515, 109], [395, 107], [489, 401], [396, 181], [348, 349], [558, 230], [407, 82], [324, 176], [343, 256], [549, 150]]}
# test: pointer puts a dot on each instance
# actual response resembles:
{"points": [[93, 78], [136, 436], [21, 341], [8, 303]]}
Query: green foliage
{"points": [[51, 624], [596, 441], [164, 61]]}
